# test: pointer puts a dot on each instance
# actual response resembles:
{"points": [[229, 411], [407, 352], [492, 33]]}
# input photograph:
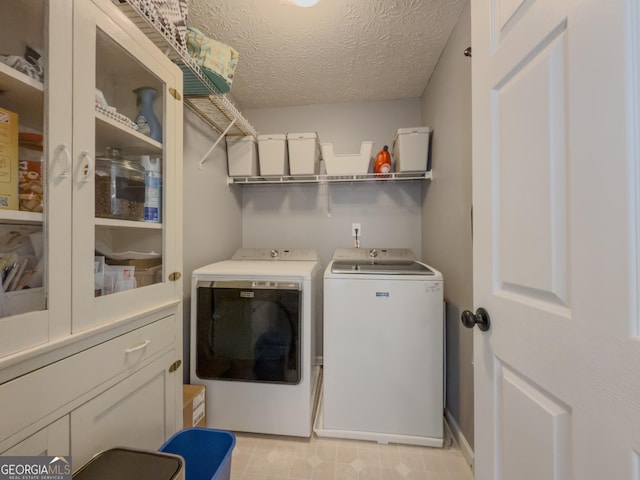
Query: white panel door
{"points": [[556, 117]]}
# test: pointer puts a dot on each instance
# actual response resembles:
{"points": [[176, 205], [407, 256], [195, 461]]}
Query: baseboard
{"points": [[459, 438]]}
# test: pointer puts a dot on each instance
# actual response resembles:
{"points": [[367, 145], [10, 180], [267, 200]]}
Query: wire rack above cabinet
{"points": [[215, 108]]}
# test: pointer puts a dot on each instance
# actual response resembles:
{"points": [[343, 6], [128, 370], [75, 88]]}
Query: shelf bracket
{"points": [[324, 185], [222, 135]]}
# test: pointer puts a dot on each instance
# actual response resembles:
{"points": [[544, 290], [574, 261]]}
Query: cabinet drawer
{"points": [[133, 348], [48, 389]]}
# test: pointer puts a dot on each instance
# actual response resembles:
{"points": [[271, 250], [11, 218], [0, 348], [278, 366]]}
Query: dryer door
{"points": [[249, 331]]}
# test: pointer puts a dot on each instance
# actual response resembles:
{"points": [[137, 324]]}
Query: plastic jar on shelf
{"points": [[120, 188]]}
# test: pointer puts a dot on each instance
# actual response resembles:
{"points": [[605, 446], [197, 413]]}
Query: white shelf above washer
{"points": [[320, 179]]}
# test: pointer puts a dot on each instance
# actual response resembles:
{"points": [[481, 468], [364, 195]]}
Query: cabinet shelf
{"points": [[20, 217], [111, 133], [26, 95], [215, 109], [302, 179], [11, 79], [113, 223]]}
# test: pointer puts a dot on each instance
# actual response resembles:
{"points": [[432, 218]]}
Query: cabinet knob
{"points": [[175, 276]]}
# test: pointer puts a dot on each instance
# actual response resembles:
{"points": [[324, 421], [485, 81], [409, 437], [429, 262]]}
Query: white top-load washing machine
{"points": [[383, 348], [253, 328]]}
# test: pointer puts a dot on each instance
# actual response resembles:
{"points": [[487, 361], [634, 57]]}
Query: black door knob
{"points": [[480, 318]]}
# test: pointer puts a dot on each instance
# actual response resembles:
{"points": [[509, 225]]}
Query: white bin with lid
{"points": [[272, 155], [304, 153], [242, 156], [411, 149]]}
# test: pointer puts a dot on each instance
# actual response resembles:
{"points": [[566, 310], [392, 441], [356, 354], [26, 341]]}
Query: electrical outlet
{"points": [[354, 227]]}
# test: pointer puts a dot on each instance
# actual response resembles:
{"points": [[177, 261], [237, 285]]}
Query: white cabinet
{"points": [[50, 440], [66, 351], [84, 46], [134, 413], [126, 390]]}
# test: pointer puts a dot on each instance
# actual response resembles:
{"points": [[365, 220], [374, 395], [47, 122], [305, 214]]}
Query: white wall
{"points": [[343, 124], [212, 210], [298, 216], [446, 235], [320, 216]]}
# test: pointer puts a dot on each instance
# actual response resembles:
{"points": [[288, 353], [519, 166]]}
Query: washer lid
{"points": [[381, 267]]}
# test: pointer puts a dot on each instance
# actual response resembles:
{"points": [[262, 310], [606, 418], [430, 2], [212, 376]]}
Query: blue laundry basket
{"points": [[206, 452]]}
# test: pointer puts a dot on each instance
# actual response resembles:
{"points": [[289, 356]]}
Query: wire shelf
{"points": [[302, 179], [215, 109]]}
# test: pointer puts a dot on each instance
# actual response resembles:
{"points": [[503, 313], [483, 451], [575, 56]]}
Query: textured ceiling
{"points": [[336, 51]]}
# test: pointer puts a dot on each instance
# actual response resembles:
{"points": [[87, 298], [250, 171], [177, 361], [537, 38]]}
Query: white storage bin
{"points": [[272, 155], [411, 149], [242, 156], [347, 164], [23, 301], [304, 153]]}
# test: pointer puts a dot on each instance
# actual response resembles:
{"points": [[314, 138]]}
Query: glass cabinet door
{"points": [[35, 159], [125, 169]]}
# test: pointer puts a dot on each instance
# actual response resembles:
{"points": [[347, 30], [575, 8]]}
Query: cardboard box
{"points": [[193, 407], [147, 271], [8, 160], [141, 263], [31, 189]]}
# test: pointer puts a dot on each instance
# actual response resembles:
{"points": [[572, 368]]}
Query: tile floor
{"points": [[268, 457]]}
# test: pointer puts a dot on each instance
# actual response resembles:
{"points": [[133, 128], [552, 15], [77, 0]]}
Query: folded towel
{"points": [[217, 60]]}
